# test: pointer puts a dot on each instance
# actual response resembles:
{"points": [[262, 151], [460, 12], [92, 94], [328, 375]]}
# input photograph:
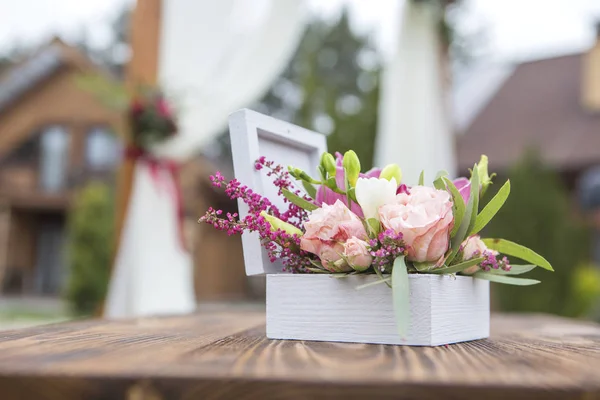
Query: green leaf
{"points": [[474, 198], [299, 201], [343, 274], [322, 172], [514, 270], [516, 250], [317, 270], [509, 280], [380, 275], [377, 282], [374, 226], [347, 185], [491, 208], [423, 266], [455, 269], [400, 296], [113, 94], [352, 194], [331, 183], [439, 183], [310, 189], [468, 219], [442, 174], [422, 178], [458, 205]]}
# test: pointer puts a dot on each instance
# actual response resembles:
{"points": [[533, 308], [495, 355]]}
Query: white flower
{"points": [[372, 193]]}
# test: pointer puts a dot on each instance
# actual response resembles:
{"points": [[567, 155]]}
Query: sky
{"points": [[512, 29]]}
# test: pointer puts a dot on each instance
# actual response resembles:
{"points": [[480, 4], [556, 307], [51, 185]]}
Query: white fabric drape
{"points": [[213, 70], [415, 130], [152, 273], [215, 57]]}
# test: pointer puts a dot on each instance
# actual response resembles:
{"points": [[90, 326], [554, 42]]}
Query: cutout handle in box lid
{"points": [[254, 135]]}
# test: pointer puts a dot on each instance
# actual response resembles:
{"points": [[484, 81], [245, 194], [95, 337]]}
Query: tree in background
{"points": [[90, 241], [330, 86], [538, 214], [115, 54]]}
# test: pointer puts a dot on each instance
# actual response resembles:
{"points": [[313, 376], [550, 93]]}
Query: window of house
{"points": [[102, 149], [54, 158]]}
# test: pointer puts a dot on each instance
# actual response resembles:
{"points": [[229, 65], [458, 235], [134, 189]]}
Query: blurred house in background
{"points": [[552, 105], [54, 136]]}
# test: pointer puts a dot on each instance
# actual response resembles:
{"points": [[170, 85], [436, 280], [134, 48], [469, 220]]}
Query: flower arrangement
{"points": [[347, 222], [152, 122], [151, 119]]}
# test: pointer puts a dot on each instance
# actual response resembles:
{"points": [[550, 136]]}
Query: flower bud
{"points": [[299, 174], [328, 162], [276, 224], [305, 177], [484, 178], [294, 172], [392, 171], [357, 254], [351, 165]]}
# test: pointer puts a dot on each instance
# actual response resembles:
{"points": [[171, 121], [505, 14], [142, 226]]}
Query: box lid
{"points": [[254, 135]]}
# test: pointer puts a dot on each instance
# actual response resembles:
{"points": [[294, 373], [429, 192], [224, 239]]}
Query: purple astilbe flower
{"points": [[327, 196], [282, 180], [280, 245], [385, 249], [491, 261], [235, 190]]}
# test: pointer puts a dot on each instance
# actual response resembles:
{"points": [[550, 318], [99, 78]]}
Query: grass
{"points": [[20, 317]]}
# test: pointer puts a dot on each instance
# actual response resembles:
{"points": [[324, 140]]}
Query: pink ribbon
{"points": [[172, 168]]}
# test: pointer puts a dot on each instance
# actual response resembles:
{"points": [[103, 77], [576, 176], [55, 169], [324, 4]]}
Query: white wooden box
{"points": [[444, 309]]}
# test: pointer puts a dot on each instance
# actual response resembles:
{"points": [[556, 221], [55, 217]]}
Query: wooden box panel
{"points": [[254, 135], [444, 309]]}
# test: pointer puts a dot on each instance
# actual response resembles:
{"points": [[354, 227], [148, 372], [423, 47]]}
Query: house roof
{"points": [[537, 105], [23, 77], [19, 79]]}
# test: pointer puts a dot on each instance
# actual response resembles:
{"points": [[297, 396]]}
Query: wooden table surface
{"points": [[225, 355]]}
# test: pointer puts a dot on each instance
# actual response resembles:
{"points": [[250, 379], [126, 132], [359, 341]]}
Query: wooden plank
{"points": [[225, 355]]}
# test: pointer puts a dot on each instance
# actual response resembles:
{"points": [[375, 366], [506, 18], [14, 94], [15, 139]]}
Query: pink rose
{"points": [[326, 231], [357, 254], [474, 247], [424, 217], [330, 253]]}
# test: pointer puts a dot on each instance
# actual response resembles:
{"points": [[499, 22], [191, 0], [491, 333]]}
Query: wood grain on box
{"points": [[225, 355]]}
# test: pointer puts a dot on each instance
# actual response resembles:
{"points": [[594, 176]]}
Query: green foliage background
{"points": [[90, 247], [540, 215], [331, 86]]}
